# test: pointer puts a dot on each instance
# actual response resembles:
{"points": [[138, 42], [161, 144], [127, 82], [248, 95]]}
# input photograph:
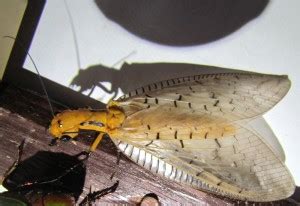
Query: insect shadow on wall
{"points": [[132, 76]]}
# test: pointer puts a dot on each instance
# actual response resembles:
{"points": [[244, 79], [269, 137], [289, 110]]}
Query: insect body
{"points": [[194, 130], [47, 178], [67, 124]]}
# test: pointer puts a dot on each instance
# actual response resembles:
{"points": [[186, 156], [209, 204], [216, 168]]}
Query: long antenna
{"points": [[124, 58], [74, 34], [39, 75]]}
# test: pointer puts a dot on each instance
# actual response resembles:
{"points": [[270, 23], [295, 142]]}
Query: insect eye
{"points": [[59, 124]]}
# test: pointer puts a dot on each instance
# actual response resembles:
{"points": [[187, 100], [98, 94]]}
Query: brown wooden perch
{"points": [[25, 115]]}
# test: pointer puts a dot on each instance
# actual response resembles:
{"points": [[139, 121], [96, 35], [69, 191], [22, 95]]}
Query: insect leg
{"points": [[92, 90], [15, 164], [96, 141], [119, 156], [118, 161], [93, 196]]}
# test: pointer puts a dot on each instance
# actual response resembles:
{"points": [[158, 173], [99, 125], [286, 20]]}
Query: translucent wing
{"points": [[260, 127], [234, 96], [241, 166], [192, 125]]}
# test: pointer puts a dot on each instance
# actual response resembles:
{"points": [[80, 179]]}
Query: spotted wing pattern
{"points": [[192, 125]]}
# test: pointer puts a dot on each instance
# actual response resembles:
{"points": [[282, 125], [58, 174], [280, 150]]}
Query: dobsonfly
{"points": [[194, 130]]}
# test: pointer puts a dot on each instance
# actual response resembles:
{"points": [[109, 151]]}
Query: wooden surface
{"points": [[24, 115]]}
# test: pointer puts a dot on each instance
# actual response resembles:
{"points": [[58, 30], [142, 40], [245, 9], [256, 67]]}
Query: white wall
{"points": [[268, 44]]}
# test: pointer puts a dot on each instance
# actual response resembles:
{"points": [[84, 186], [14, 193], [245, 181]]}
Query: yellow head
{"points": [[67, 124]]}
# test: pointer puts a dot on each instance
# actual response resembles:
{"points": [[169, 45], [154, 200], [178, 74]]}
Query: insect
{"points": [[47, 178], [194, 130]]}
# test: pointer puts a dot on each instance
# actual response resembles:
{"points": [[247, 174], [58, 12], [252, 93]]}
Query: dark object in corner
{"points": [[46, 177]]}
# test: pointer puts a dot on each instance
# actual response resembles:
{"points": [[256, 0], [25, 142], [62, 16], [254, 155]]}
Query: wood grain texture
{"points": [[24, 115]]}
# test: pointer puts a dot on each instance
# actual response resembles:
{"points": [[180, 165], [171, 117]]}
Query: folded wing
{"points": [[194, 125]]}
